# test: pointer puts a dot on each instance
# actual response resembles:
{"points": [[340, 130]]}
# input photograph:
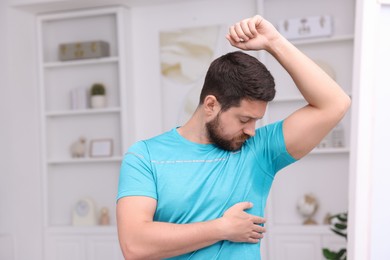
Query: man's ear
{"points": [[211, 105]]}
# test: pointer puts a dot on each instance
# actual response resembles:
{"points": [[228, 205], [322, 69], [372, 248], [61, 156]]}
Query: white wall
{"points": [[381, 142], [6, 209], [370, 179], [147, 22], [20, 194]]}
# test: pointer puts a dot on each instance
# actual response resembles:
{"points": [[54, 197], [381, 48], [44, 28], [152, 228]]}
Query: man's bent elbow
{"points": [[346, 104], [134, 252], [341, 107]]}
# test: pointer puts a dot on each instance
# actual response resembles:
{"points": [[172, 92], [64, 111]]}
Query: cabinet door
{"points": [[103, 248], [65, 248], [293, 247]]}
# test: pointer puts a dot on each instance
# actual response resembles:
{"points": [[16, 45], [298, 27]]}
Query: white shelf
{"points": [[88, 230], [333, 39], [83, 112], [61, 64], [289, 99], [293, 99], [85, 160], [329, 150], [302, 229]]}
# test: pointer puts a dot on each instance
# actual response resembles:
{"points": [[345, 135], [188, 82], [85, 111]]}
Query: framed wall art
{"points": [[101, 148]]}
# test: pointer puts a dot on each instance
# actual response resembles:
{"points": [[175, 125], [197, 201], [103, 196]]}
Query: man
{"points": [[199, 190]]}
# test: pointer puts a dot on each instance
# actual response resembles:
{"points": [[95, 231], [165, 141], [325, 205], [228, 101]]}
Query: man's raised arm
{"points": [[327, 102]]}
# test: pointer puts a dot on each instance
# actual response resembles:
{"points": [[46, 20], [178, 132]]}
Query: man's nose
{"points": [[250, 129]]}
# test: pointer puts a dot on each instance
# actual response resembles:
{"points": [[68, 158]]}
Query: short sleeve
{"points": [[136, 175], [270, 142], [281, 158]]}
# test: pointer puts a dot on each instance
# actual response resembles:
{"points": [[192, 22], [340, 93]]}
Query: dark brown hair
{"points": [[236, 76]]}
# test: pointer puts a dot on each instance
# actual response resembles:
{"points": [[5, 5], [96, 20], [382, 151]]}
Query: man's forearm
{"points": [[156, 240], [319, 90], [142, 238]]}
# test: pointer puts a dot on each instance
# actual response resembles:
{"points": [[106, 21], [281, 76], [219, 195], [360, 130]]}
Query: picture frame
{"points": [[101, 147]]}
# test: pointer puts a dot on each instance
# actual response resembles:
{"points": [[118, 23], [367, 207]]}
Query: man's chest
{"points": [[190, 191]]}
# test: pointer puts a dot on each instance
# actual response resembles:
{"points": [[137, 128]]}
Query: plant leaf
{"points": [[329, 254], [339, 233], [342, 253], [340, 226], [343, 217]]}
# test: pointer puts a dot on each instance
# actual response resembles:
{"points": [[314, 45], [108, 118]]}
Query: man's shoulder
{"points": [[167, 136], [162, 139]]}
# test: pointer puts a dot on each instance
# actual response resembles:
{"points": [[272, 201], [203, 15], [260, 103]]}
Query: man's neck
{"points": [[195, 130]]}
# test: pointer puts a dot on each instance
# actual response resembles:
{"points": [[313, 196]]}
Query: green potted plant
{"points": [[98, 95], [339, 224]]}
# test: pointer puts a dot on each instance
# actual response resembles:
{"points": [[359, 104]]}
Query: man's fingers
{"points": [[254, 23], [233, 34], [232, 41], [243, 205], [259, 229], [246, 30], [240, 45], [240, 32], [256, 235], [252, 26], [258, 220]]}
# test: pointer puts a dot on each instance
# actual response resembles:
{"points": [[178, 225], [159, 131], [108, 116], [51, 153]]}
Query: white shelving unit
{"points": [[324, 172], [66, 180]]}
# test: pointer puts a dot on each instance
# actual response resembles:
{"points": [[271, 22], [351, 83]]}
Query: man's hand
{"points": [[241, 226], [253, 33]]}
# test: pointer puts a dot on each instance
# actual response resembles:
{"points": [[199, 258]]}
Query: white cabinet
{"points": [[65, 247], [103, 248], [324, 172], [302, 247], [303, 243], [83, 244], [94, 175]]}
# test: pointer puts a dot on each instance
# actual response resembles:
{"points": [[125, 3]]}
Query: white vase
{"points": [[98, 101]]}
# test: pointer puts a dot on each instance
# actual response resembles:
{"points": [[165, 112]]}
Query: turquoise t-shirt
{"points": [[197, 182]]}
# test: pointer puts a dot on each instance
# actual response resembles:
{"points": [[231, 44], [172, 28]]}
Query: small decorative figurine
{"points": [[77, 149], [327, 219], [307, 207], [104, 217]]}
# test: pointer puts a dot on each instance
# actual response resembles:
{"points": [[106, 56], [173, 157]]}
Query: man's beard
{"points": [[213, 130]]}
